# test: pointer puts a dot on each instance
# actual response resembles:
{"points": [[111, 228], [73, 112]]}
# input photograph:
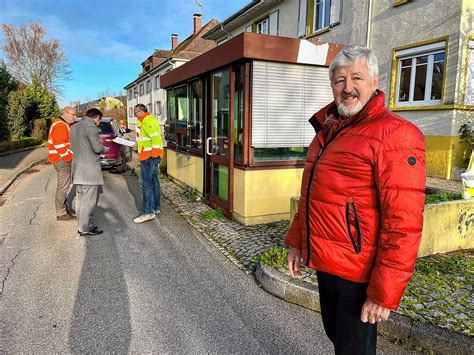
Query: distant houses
{"points": [[147, 89]]}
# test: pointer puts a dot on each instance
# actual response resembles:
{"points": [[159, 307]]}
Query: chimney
{"points": [[197, 23], [174, 41]]}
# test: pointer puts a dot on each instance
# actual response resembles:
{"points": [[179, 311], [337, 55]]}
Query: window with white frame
{"points": [[130, 112], [263, 27], [135, 92], [142, 91], [420, 74], [322, 14], [149, 107], [157, 82], [158, 108], [148, 86], [130, 94]]}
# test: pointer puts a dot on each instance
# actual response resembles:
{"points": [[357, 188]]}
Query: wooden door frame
{"points": [[227, 206]]}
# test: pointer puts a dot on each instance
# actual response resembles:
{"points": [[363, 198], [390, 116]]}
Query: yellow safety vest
{"points": [[149, 142]]}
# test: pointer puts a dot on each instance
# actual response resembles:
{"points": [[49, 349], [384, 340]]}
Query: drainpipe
{"points": [[369, 24]]}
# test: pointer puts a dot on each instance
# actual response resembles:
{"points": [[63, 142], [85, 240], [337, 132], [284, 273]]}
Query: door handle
{"points": [[207, 146]]}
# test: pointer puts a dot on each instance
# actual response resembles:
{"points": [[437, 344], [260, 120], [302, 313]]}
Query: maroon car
{"points": [[116, 155]]}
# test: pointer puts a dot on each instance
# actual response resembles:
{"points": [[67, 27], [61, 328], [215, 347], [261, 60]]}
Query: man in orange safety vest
{"points": [[60, 155]]}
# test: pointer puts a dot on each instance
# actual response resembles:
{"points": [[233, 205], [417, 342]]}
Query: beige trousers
{"points": [[63, 173]]}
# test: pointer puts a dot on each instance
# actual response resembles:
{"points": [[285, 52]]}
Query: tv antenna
{"points": [[198, 6]]}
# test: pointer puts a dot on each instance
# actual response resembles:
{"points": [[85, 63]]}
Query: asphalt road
{"points": [[157, 287]]}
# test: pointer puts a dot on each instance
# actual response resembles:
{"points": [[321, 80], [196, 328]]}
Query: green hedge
{"points": [[21, 143]]}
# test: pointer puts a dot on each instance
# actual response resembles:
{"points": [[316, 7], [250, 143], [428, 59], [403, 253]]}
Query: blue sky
{"points": [[106, 41]]}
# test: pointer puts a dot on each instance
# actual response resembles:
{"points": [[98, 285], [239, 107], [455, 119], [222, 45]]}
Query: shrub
{"points": [[466, 131], [40, 129], [17, 144], [18, 104], [7, 85], [27, 104]]}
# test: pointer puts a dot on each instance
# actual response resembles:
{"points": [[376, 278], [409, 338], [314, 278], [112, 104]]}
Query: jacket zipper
{"points": [[308, 192], [357, 245]]}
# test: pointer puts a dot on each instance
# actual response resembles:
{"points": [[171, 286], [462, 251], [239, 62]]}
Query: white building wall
{"points": [[287, 19], [151, 97], [440, 18], [353, 25]]}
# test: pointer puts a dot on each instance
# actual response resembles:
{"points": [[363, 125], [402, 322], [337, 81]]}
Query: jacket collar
{"points": [[141, 119], [62, 119], [373, 106]]}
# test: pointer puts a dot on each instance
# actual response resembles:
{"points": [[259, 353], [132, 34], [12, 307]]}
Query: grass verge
{"points": [[275, 257], [441, 196], [440, 291]]}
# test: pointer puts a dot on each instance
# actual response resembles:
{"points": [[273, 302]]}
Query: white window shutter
{"points": [[273, 18], [284, 97], [302, 18], [335, 12]]}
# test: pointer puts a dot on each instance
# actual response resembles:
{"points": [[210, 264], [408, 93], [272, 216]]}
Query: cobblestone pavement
{"points": [[239, 243], [242, 244]]}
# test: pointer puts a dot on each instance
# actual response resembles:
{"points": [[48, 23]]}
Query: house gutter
{"points": [[369, 24], [232, 17]]}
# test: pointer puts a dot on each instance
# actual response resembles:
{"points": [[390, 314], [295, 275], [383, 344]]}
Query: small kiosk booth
{"points": [[237, 128]]}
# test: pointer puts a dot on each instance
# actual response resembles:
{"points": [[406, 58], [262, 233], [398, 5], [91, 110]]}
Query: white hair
{"points": [[350, 55]]}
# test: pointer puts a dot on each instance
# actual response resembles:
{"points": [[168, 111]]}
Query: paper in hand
{"points": [[122, 141]]}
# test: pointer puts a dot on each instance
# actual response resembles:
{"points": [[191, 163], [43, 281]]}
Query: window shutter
{"points": [[335, 12], [273, 19], [284, 97], [302, 19]]}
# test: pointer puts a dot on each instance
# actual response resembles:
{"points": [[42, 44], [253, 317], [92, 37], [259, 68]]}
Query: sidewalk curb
{"points": [[22, 149], [428, 336], [19, 172]]}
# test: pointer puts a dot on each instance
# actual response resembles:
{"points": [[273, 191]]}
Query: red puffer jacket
{"points": [[360, 214]]}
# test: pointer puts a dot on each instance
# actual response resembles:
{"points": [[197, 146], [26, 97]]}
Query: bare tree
{"points": [[28, 54]]}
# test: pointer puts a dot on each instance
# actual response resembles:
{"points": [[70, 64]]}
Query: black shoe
{"points": [[71, 212], [94, 231]]}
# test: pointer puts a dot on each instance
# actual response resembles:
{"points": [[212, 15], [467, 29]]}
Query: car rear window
{"points": [[105, 127]]}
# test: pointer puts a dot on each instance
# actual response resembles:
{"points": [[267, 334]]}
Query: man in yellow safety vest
{"points": [[150, 151]]}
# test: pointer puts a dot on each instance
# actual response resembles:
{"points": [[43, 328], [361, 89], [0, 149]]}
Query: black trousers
{"points": [[341, 303]]}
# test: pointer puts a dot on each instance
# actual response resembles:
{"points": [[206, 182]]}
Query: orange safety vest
{"points": [[59, 144]]}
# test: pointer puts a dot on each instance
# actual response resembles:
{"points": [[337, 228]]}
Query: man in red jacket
{"points": [[360, 214]]}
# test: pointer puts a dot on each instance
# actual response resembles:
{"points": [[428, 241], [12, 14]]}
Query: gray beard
{"points": [[348, 112]]}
